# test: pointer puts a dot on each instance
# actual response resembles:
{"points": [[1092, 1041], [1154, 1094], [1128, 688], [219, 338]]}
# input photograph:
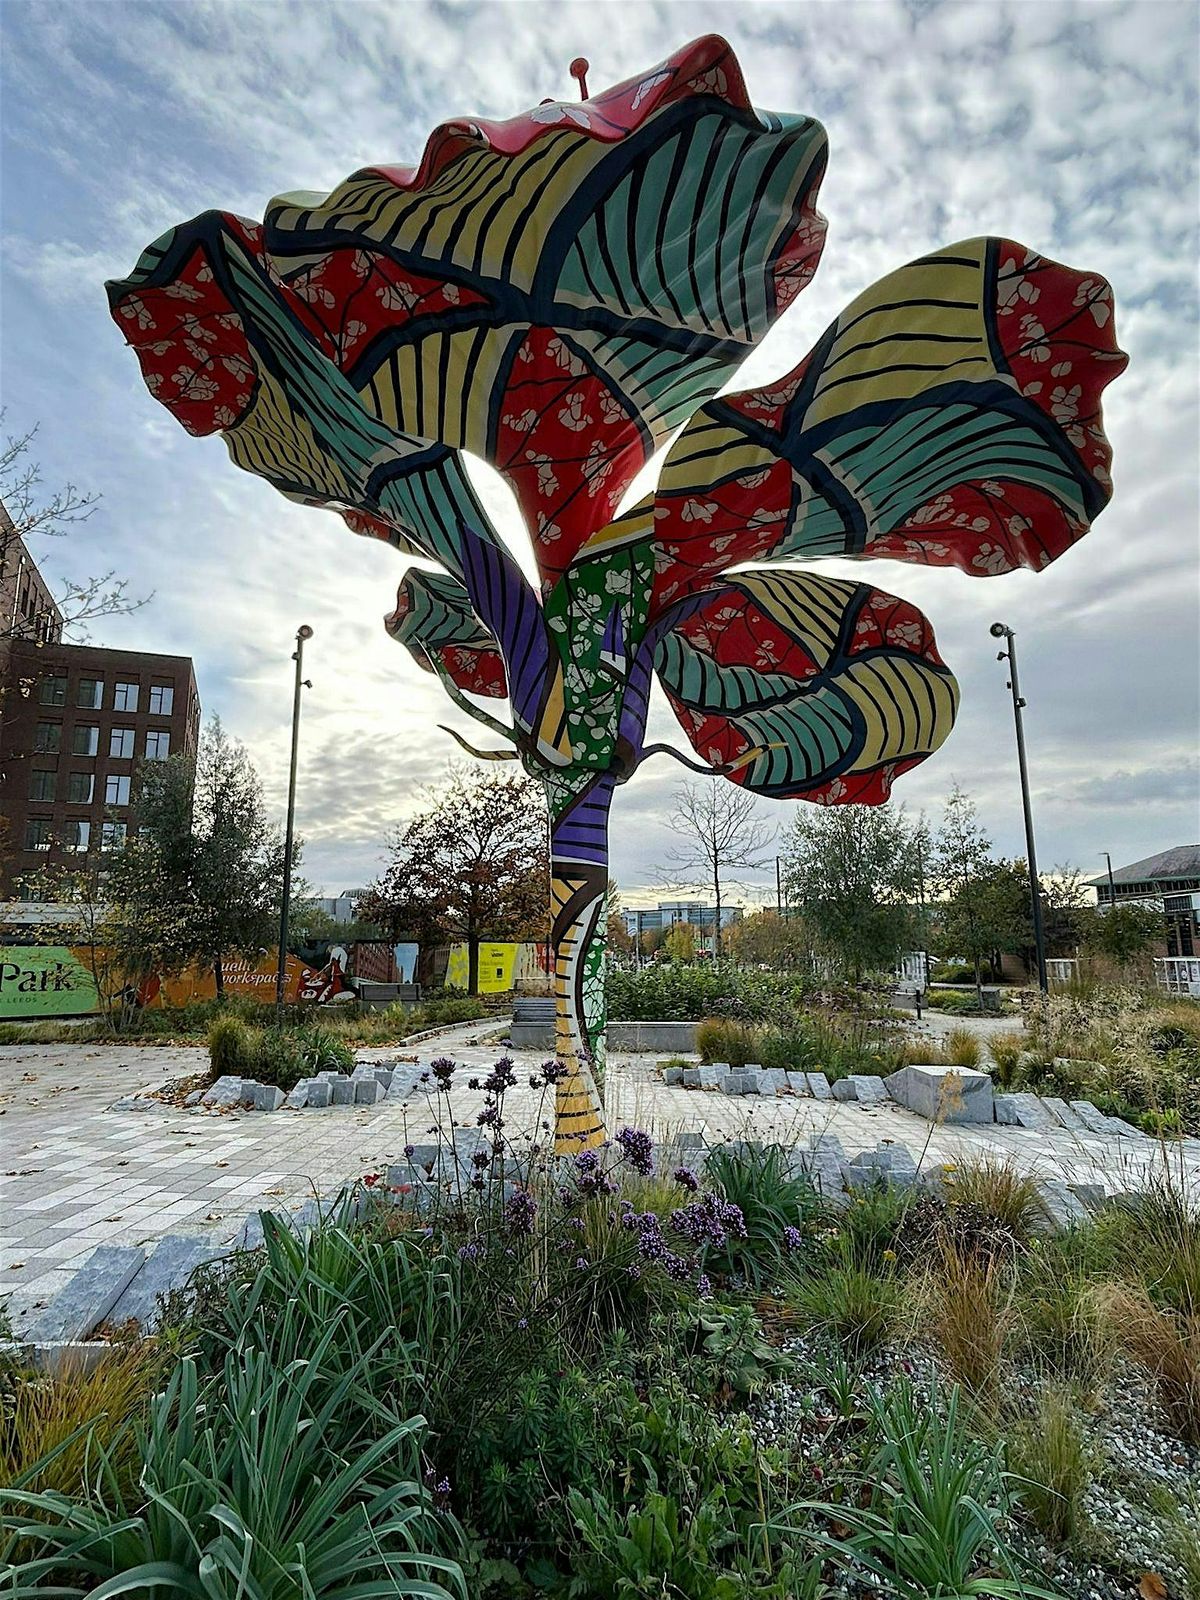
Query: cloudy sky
{"points": [[1069, 127]]}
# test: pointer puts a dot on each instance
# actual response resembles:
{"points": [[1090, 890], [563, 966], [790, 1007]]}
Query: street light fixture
{"points": [[1000, 630], [1112, 888], [302, 633]]}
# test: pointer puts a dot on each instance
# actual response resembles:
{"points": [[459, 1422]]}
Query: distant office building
{"points": [[75, 722], [669, 912], [1168, 882], [340, 907]]}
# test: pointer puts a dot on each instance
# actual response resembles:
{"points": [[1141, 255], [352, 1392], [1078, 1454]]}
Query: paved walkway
{"points": [[76, 1175]]}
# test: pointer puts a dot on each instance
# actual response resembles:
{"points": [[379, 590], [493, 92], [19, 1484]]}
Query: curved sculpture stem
{"points": [[579, 893]]}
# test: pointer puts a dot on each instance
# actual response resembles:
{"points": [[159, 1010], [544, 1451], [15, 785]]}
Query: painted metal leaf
{"points": [[434, 619], [951, 415], [554, 293], [832, 689]]}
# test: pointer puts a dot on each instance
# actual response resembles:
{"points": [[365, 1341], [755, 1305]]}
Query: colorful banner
{"points": [[45, 980]]}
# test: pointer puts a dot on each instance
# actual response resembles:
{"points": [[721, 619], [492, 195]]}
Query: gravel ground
{"points": [[1135, 1457]]}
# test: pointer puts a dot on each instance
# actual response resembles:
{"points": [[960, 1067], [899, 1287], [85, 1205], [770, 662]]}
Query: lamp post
{"points": [[302, 633], [1112, 888], [1000, 630]]}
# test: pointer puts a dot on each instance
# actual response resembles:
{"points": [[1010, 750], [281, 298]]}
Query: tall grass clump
{"points": [[859, 1309], [59, 1430], [1006, 1051], [233, 1047], [966, 1311], [1165, 1343], [961, 1048], [1052, 1465], [997, 1191]]}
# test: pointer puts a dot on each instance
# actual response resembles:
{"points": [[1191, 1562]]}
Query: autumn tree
{"points": [[202, 877], [717, 832], [473, 865], [854, 873], [767, 939], [679, 941]]}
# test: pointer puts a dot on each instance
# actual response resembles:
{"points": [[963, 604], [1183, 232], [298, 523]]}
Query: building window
{"points": [[90, 694], [76, 835], [47, 738], [41, 785], [80, 788], [112, 836], [116, 791], [120, 743], [37, 833], [158, 746], [85, 741], [125, 697], [52, 692], [162, 699]]}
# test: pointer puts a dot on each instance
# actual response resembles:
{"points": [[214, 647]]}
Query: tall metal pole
{"points": [[1112, 888], [778, 889], [1000, 631], [302, 633]]}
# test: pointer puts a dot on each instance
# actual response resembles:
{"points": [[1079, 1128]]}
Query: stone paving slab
{"points": [[77, 1176]]}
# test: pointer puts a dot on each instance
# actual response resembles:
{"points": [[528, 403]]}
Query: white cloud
{"points": [[1068, 126]]}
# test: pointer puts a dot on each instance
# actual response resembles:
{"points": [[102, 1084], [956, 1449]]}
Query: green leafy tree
{"points": [[854, 872], [1123, 933], [202, 877], [984, 902], [474, 865]]}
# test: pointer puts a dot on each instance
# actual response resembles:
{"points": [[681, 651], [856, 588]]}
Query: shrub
{"points": [[232, 1048], [961, 1048], [279, 1058], [1052, 1465]]}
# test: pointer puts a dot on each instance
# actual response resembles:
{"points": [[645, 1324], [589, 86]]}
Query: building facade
{"points": [[75, 723], [669, 912], [1168, 882], [27, 608]]}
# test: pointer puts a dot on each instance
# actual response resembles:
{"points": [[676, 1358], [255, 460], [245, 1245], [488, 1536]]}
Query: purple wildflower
{"points": [[520, 1210], [482, 1157], [638, 1149], [468, 1252], [793, 1239], [686, 1178], [443, 1071], [581, 1263], [709, 1221], [409, 1151]]}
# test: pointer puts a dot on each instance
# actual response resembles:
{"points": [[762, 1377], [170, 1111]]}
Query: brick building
{"points": [[75, 722]]}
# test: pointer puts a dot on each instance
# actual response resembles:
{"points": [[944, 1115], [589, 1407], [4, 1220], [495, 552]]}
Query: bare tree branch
{"points": [[718, 831], [28, 511]]}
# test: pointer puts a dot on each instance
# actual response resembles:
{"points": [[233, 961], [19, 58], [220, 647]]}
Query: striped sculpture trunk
{"points": [[579, 895]]}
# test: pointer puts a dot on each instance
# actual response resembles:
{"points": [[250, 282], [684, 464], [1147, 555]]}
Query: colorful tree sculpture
{"points": [[557, 294]]}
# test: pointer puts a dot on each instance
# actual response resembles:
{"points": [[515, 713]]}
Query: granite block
{"points": [[89, 1296]]}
